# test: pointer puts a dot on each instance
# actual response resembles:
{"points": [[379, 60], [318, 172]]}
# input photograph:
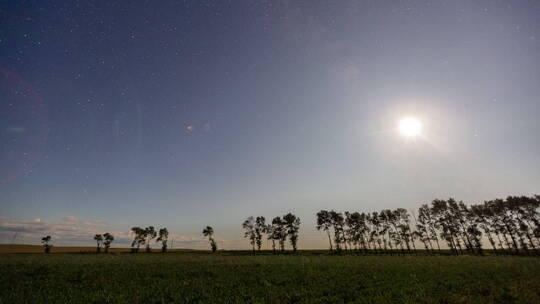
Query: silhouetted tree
{"points": [[150, 234], [324, 222], [163, 237], [511, 224], [426, 231], [386, 230], [99, 241], [375, 230], [445, 224], [45, 241], [421, 233], [292, 225], [138, 239], [405, 227], [364, 231], [249, 226], [209, 232], [354, 229], [481, 218], [280, 231], [107, 240], [524, 211], [271, 235], [260, 228], [338, 223]]}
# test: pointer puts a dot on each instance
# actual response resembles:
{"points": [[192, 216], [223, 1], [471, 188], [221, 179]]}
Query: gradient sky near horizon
{"points": [[192, 113]]}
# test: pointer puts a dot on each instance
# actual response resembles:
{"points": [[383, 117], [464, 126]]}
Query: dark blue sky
{"points": [[192, 113]]}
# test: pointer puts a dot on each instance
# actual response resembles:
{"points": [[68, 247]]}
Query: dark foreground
{"points": [[240, 278]]}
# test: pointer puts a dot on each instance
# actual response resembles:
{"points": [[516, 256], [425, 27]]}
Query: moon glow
{"points": [[410, 127]]}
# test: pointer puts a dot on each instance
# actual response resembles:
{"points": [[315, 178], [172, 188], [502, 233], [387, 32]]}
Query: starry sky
{"points": [[192, 113]]}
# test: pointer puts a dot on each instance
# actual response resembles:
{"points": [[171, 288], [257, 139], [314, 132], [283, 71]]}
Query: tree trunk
{"points": [[516, 247], [500, 241], [438, 246], [329, 240], [491, 241]]}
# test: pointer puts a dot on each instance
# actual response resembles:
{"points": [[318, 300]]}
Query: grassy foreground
{"points": [[239, 278]]}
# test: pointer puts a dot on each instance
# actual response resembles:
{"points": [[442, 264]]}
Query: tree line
{"points": [[509, 225], [142, 237], [278, 230], [146, 235]]}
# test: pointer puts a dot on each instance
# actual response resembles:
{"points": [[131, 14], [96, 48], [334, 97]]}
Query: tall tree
{"points": [[249, 227], [405, 227], [364, 231], [292, 224], [421, 233], [425, 224], [209, 232], [45, 241], [324, 222], [163, 237], [139, 239], [481, 218], [385, 230], [260, 229], [338, 222], [525, 213], [375, 229], [99, 240], [280, 232], [271, 233], [107, 240], [439, 209], [506, 222], [354, 228], [150, 234]]}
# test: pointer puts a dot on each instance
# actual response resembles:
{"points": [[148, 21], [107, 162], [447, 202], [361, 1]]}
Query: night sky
{"points": [[192, 113]]}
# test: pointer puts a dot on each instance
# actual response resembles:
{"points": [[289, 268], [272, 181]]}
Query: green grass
{"points": [[240, 278]]}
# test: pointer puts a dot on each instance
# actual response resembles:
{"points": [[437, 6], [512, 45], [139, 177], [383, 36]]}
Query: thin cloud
{"points": [[69, 230], [74, 231]]}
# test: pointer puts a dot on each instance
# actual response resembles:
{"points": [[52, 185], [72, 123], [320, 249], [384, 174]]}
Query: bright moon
{"points": [[410, 127]]}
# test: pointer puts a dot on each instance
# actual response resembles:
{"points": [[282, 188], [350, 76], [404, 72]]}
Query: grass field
{"points": [[235, 277]]}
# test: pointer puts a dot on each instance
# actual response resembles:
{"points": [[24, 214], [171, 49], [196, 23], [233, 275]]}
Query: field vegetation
{"points": [[243, 277]]}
